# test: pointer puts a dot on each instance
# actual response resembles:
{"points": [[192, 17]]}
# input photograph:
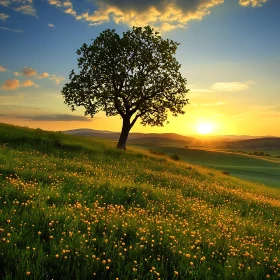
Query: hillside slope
{"points": [[77, 208]]}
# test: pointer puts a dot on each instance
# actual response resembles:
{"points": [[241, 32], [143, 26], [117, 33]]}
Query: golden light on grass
{"points": [[204, 128]]}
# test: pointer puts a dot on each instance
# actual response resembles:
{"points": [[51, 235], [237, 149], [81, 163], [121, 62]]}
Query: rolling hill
{"points": [[169, 139]]}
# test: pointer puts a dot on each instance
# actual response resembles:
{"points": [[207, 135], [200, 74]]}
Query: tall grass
{"points": [[75, 208]]}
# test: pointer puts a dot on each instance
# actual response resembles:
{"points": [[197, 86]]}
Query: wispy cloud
{"points": [[57, 79], [3, 16], [44, 75], [29, 72], [253, 3], [16, 73], [56, 117], [5, 3], [259, 112], [66, 6], [14, 84], [231, 86], [56, 3], [208, 104], [50, 25], [2, 69], [10, 29], [22, 6]]}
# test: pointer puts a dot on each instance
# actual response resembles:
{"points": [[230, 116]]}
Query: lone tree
{"points": [[135, 76]]}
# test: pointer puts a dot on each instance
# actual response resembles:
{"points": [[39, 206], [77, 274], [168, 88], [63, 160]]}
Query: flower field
{"points": [[77, 208]]}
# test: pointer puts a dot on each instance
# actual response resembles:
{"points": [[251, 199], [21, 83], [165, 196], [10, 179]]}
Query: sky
{"points": [[229, 51]]}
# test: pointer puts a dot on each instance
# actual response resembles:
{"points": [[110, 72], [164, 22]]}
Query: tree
{"points": [[135, 76]]}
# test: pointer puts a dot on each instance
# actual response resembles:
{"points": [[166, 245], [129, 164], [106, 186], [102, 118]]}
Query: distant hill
{"points": [[174, 139], [139, 138], [260, 143]]}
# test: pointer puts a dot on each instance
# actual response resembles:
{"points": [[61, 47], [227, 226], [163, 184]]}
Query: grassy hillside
{"points": [[77, 208], [264, 170]]}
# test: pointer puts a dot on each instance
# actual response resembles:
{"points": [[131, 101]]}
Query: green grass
{"points": [[264, 170], [77, 208]]}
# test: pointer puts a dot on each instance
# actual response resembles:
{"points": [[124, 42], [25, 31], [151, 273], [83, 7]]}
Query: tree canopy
{"points": [[135, 76]]}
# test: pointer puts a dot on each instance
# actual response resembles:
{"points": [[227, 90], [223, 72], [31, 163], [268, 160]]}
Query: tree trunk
{"points": [[124, 134]]}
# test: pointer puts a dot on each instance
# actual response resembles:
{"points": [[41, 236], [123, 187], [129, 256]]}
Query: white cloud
{"points": [[3, 16], [50, 25], [253, 3], [57, 79], [2, 69], [231, 86], [9, 29], [22, 6], [29, 72], [44, 75]]}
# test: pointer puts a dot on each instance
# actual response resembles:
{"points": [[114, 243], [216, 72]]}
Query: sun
{"points": [[204, 128]]}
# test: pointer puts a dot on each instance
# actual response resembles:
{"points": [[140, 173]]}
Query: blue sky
{"points": [[229, 51]]}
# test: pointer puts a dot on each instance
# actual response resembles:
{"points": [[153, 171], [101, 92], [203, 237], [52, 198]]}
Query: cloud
{"points": [[57, 79], [5, 3], [23, 6], [199, 90], [11, 84], [28, 83], [253, 3], [2, 69], [231, 86], [56, 3], [29, 72], [9, 29], [50, 25], [3, 16], [66, 6], [16, 73], [56, 117], [44, 75], [163, 15], [15, 84]]}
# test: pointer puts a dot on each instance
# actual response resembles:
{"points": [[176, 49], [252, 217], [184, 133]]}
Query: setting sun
{"points": [[204, 128]]}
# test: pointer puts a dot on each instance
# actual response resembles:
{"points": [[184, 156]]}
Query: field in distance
{"points": [[77, 208], [247, 166]]}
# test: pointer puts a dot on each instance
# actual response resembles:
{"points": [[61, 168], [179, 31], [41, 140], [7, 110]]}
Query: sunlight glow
{"points": [[204, 128]]}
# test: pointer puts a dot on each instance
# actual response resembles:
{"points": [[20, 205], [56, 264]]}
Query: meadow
{"points": [[78, 208], [264, 170]]}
